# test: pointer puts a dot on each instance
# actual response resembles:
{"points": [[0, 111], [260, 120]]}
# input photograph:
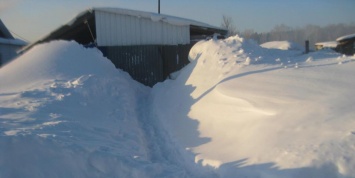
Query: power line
{"points": [[22, 38]]}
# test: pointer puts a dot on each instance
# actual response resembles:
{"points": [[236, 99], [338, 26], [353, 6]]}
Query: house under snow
{"points": [[8, 45], [326, 45], [149, 46], [346, 44]]}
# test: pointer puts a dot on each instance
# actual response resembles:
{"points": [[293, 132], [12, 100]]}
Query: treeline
{"points": [[313, 33]]}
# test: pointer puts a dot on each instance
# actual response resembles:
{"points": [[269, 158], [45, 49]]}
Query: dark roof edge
{"points": [[61, 30], [215, 30], [90, 12], [5, 31]]}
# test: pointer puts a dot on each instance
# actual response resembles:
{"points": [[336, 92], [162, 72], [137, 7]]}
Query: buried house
{"points": [[346, 44], [149, 46]]}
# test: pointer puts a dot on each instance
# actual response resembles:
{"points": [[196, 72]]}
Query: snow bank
{"points": [[241, 109], [255, 112], [66, 111], [283, 45]]}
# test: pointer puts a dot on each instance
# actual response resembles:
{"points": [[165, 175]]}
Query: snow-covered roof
{"points": [[66, 31], [156, 17], [346, 37], [329, 44], [283, 45], [17, 42]]}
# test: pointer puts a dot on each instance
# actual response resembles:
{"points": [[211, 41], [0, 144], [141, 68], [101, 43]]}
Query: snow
{"points": [[328, 44], [346, 37], [237, 110], [66, 111], [255, 112], [283, 45], [12, 42]]}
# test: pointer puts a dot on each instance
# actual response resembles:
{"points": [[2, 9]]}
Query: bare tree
{"points": [[228, 24], [248, 33], [312, 33]]}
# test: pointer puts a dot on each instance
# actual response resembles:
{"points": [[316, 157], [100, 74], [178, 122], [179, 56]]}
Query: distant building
{"points": [[8, 45], [326, 45], [346, 44], [149, 46]]}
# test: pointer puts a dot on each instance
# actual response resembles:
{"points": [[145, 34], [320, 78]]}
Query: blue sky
{"points": [[33, 19]]}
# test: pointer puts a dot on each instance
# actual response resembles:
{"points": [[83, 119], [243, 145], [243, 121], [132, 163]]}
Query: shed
{"points": [[149, 46], [346, 44], [8, 45], [326, 45]]}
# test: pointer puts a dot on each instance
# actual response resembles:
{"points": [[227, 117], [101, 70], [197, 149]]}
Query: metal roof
{"points": [[76, 29], [157, 17]]}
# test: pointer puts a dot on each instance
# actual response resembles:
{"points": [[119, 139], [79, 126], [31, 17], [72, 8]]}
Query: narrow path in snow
{"points": [[162, 149]]}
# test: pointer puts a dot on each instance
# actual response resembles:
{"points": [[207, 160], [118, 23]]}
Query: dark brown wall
{"points": [[346, 47]]}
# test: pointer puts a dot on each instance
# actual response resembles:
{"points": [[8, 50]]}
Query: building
{"points": [[326, 45], [8, 45], [346, 44], [149, 46]]}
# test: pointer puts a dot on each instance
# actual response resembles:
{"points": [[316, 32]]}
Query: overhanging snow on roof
{"points": [[15, 42], [347, 37], [327, 44]]}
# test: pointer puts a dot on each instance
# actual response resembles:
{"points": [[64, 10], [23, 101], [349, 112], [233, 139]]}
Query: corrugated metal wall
{"points": [[148, 64], [124, 30], [174, 58]]}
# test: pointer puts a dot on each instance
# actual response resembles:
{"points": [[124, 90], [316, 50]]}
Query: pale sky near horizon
{"points": [[33, 19]]}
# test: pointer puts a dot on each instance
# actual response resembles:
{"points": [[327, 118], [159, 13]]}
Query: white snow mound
{"points": [[255, 112], [66, 111], [237, 110]]}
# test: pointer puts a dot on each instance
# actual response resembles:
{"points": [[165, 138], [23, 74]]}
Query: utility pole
{"points": [[307, 47], [158, 6]]}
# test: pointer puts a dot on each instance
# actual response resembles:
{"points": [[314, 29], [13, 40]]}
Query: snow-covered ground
{"points": [[255, 112], [237, 110], [66, 111]]}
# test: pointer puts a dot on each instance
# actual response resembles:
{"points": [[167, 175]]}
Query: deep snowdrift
{"points": [[245, 110], [255, 112], [66, 111]]}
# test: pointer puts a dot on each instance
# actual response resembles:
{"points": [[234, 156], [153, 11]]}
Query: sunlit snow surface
{"points": [[257, 112], [66, 111], [237, 110]]}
